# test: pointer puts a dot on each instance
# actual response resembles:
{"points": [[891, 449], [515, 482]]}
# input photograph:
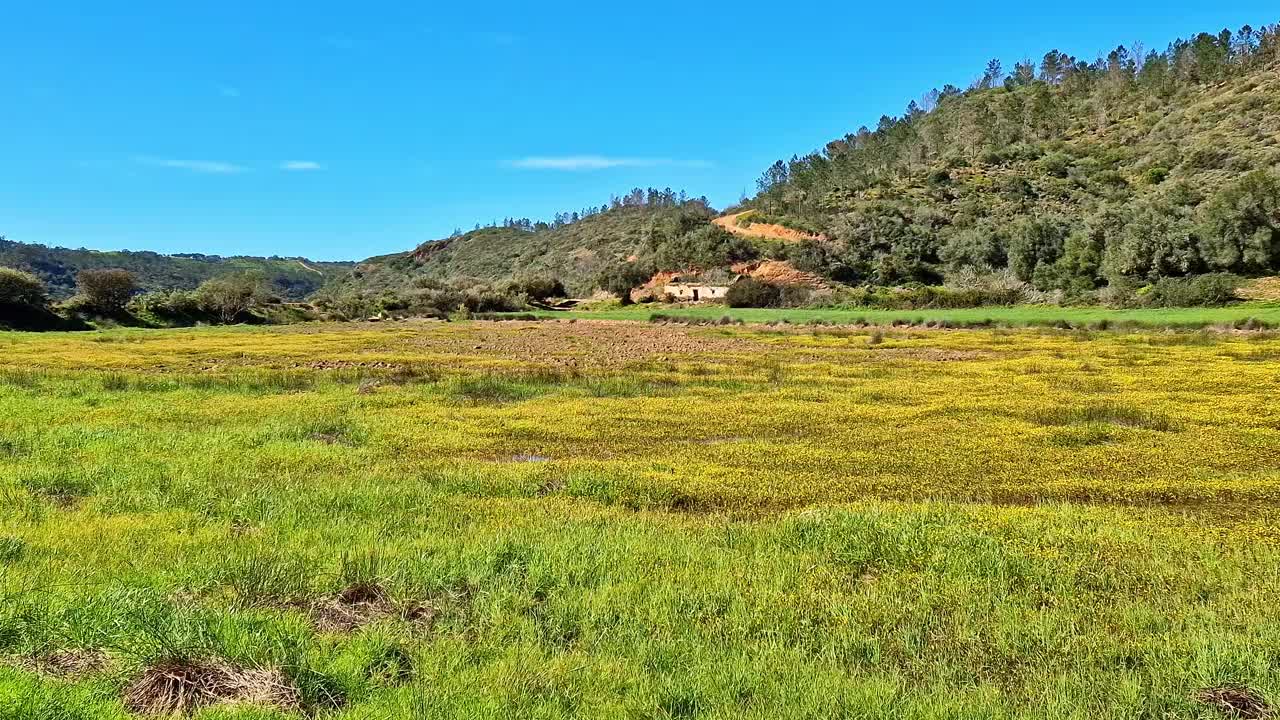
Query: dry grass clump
{"points": [[1267, 289], [1236, 702], [183, 688], [65, 664], [365, 603]]}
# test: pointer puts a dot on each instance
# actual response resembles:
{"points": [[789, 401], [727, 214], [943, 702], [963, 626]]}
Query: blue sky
{"points": [[344, 130]]}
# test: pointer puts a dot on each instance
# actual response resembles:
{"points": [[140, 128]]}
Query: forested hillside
{"points": [[1070, 174], [294, 278]]}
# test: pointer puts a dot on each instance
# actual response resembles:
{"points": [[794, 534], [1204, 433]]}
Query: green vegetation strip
{"points": [[1266, 315]]}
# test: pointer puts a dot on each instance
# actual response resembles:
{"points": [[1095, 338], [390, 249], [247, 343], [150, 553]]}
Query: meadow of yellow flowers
{"points": [[598, 519]]}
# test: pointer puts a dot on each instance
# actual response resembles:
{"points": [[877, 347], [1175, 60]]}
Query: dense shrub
{"points": [[106, 291], [1155, 175], [622, 278], [173, 306], [814, 257], [928, 297], [752, 293], [1239, 225], [486, 300], [1156, 240], [795, 296], [21, 288], [539, 287], [435, 298], [1210, 290], [354, 305], [706, 247], [434, 302], [24, 305], [756, 217], [229, 296], [980, 247], [1036, 243], [1056, 164], [887, 243]]}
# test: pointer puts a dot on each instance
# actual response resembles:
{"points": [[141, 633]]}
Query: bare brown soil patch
{"points": [[780, 272], [930, 354], [183, 688], [768, 231], [1236, 702], [584, 343]]}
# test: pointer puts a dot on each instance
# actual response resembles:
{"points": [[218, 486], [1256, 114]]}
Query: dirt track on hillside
{"points": [[768, 231]]}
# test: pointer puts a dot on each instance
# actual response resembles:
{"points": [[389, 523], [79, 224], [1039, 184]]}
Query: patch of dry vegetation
{"points": [[183, 688]]}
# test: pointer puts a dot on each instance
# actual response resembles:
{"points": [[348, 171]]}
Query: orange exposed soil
{"points": [[780, 272]]}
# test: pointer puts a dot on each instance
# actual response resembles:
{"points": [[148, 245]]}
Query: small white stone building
{"points": [[696, 293]]}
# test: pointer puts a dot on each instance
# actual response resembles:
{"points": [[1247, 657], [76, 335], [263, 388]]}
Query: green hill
{"points": [[294, 278], [647, 229], [1072, 175]]}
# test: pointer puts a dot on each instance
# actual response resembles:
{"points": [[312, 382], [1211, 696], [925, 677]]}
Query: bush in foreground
{"points": [[229, 296], [106, 291], [21, 288]]}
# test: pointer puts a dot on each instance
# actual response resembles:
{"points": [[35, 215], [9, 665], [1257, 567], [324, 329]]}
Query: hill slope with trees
{"points": [[1072, 175], [650, 229], [293, 278]]}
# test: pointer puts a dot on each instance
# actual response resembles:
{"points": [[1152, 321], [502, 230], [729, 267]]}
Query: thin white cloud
{"points": [[227, 91], [204, 167], [300, 166], [578, 163]]}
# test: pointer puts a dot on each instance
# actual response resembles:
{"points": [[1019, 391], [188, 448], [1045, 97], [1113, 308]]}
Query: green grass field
{"points": [[628, 520], [1018, 316]]}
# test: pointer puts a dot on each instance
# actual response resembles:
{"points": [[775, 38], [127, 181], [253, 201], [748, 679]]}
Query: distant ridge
{"points": [[294, 278]]}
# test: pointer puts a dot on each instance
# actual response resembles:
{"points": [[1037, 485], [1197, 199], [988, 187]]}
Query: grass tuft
{"points": [[264, 579], [1106, 413], [11, 550], [62, 485]]}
